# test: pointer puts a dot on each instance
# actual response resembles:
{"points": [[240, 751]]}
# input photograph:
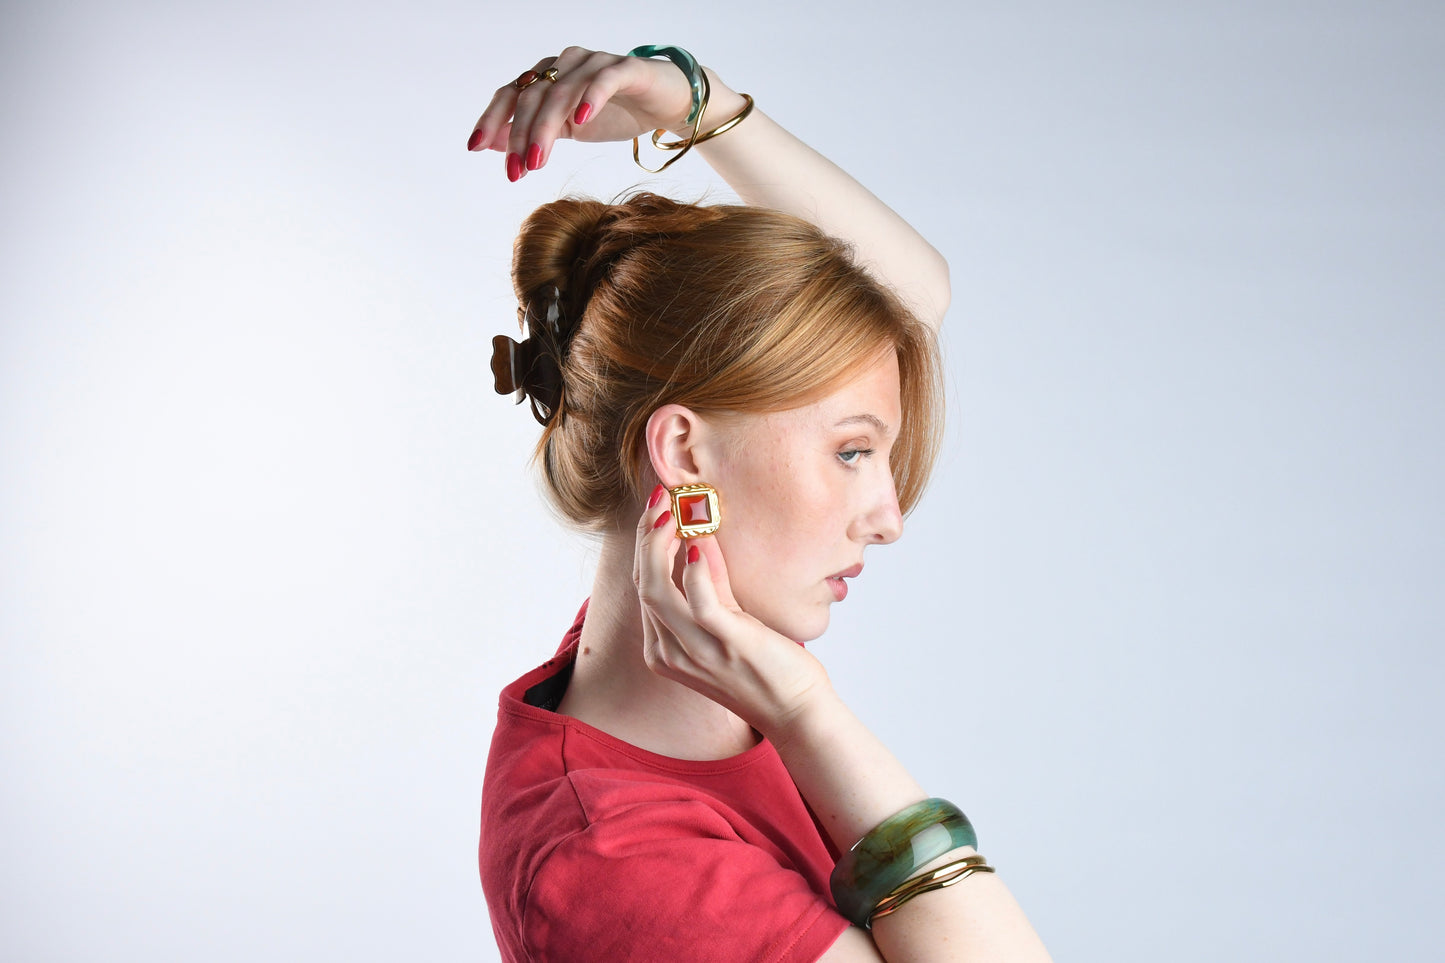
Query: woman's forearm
{"points": [[769, 167], [853, 783]]}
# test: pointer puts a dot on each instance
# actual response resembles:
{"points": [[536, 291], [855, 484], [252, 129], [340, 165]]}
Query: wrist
{"points": [[808, 724], [723, 102]]}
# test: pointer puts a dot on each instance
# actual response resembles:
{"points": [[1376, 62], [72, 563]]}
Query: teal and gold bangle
{"points": [[687, 63], [896, 849]]}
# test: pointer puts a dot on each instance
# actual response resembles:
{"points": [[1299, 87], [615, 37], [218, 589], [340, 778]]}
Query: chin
{"points": [[802, 629], [800, 622]]}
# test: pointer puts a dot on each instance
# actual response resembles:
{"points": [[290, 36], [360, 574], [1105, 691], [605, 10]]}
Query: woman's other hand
{"points": [[596, 96], [696, 633]]}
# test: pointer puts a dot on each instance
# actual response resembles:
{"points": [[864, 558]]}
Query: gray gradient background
{"points": [[1167, 625]]}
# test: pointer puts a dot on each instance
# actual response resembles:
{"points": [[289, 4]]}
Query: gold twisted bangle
{"points": [[928, 882], [722, 128], [682, 147]]}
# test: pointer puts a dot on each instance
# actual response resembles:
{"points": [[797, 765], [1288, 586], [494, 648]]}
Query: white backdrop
{"points": [[1167, 626]]}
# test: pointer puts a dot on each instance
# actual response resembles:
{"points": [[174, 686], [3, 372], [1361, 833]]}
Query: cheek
{"points": [[773, 525], [757, 509], [754, 527]]}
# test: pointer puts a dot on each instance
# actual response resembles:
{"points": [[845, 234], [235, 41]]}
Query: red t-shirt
{"points": [[594, 849]]}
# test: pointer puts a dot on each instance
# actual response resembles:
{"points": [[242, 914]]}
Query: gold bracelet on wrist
{"points": [[681, 146], [943, 876], [722, 128]]}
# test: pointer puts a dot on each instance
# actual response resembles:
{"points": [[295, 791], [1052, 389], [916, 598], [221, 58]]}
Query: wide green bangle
{"points": [[897, 848], [687, 63]]}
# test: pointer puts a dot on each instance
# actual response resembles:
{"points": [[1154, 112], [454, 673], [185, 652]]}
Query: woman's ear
{"points": [[674, 436]]}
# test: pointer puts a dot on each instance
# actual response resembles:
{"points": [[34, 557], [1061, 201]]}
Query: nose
{"points": [[882, 522]]}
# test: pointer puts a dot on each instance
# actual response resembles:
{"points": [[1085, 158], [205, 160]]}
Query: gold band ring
{"points": [[529, 77]]}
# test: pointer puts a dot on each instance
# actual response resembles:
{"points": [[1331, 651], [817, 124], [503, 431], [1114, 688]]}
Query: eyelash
{"points": [[853, 462]]}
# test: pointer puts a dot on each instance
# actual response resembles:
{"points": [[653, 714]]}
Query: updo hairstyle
{"points": [[720, 308]]}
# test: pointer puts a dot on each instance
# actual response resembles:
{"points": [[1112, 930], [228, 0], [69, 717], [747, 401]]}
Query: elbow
{"points": [[942, 284], [937, 289]]}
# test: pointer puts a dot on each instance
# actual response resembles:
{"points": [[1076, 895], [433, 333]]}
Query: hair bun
{"points": [[551, 245], [573, 243]]}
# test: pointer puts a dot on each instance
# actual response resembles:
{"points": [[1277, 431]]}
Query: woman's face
{"points": [[803, 492]]}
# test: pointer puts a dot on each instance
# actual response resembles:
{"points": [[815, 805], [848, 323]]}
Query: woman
{"points": [[679, 782]]}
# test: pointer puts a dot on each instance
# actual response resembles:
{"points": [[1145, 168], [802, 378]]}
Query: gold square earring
{"points": [[695, 510]]}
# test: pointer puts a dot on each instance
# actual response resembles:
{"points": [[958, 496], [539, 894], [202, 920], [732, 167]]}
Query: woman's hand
{"points": [[596, 97], [602, 96], [699, 636]]}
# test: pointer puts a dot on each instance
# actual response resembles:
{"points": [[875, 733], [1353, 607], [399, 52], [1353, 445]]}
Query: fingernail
{"points": [[534, 157], [514, 167], [584, 110], [656, 496], [693, 554], [474, 142], [662, 520]]}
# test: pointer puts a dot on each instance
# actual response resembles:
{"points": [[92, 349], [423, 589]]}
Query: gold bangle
{"points": [[722, 128], [682, 147], [928, 882], [945, 875]]}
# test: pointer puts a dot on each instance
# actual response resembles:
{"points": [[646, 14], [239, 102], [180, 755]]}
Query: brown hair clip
{"points": [[533, 368]]}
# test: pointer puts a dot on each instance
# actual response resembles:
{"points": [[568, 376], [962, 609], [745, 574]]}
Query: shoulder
{"points": [[662, 872], [592, 850]]}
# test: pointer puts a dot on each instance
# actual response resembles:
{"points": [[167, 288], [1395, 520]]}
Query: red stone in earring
{"points": [[695, 509]]}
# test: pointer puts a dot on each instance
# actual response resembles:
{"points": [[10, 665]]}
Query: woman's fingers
{"points": [[581, 94], [675, 636], [700, 588], [665, 615], [488, 131], [496, 117], [717, 569], [540, 121], [653, 560], [541, 110]]}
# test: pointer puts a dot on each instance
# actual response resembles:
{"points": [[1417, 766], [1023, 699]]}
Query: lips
{"points": [[840, 587]]}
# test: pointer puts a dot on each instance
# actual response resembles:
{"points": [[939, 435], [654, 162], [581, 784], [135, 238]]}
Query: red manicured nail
{"points": [[534, 157], [474, 142], [656, 496], [693, 554], [514, 167], [662, 520], [584, 110]]}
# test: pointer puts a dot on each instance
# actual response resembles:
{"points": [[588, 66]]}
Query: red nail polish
{"points": [[656, 496], [475, 141], [693, 554], [514, 167], [662, 520], [584, 110], [534, 157]]}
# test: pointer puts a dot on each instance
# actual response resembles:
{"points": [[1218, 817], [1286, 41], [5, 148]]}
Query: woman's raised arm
{"points": [[598, 96]]}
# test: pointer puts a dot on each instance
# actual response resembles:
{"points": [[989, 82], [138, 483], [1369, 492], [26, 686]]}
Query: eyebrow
{"points": [[873, 420]]}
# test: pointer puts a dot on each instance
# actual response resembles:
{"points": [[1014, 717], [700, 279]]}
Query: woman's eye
{"points": [[851, 456]]}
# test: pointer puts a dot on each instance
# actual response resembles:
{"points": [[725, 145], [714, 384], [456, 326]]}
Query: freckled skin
{"points": [[795, 512]]}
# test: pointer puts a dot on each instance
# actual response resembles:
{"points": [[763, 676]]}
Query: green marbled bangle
{"points": [[897, 848], [687, 63]]}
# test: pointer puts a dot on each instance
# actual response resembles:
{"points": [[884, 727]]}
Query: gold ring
{"points": [[529, 77]]}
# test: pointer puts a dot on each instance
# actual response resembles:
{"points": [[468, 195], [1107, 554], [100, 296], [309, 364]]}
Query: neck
{"points": [[612, 688]]}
